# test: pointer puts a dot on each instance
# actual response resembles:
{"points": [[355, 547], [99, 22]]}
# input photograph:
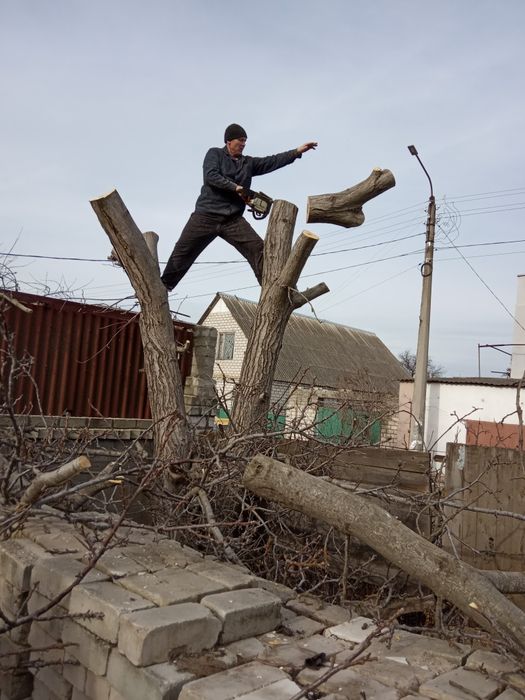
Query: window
{"points": [[225, 346]]}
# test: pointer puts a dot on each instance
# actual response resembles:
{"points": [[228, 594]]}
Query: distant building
{"points": [[336, 381], [467, 410]]}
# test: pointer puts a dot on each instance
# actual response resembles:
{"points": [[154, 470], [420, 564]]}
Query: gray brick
{"points": [[111, 601], [449, 686], [78, 695], [283, 592], [116, 563], [228, 577], [42, 692], [149, 636], [17, 558], [156, 682], [244, 613], [74, 672], [54, 681], [15, 683], [39, 639], [97, 687], [232, 683], [91, 651], [52, 576], [171, 586]]}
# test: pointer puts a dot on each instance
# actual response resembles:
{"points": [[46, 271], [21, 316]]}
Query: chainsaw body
{"points": [[259, 204]]}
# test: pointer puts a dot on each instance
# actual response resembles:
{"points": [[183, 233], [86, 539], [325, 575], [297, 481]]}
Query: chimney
{"points": [[517, 367]]}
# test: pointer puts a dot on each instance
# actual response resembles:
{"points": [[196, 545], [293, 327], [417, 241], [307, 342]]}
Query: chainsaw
{"points": [[258, 203]]}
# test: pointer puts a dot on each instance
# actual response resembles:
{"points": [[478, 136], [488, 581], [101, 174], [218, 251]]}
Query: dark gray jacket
{"points": [[222, 174]]}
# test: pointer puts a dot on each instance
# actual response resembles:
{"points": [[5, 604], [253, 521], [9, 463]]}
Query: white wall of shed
{"points": [[446, 403]]}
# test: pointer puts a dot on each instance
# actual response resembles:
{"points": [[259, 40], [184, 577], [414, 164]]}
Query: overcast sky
{"points": [[129, 94]]}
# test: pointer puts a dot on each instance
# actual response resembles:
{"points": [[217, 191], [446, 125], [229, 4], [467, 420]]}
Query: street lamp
{"points": [[417, 428]]}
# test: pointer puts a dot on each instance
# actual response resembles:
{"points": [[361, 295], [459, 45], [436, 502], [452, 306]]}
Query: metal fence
{"points": [[86, 360]]}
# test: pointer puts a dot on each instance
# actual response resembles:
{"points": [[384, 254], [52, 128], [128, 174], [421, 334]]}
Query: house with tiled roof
{"points": [[339, 381]]}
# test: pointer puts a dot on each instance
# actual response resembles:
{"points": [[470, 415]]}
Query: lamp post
{"points": [[417, 429]]}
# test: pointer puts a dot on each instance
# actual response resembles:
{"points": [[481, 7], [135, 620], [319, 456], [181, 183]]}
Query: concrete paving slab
{"points": [[246, 649], [355, 630], [291, 657], [281, 690], [405, 678], [329, 615], [348, 684], [244, 613], [490, 662], [230, 684], [152, 636], [301, 626], [461, 684], [438, 655], [510, 694]]}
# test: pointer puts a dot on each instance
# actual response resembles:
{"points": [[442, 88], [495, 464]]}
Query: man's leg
{"points": [[198, 233], [243, 238]]}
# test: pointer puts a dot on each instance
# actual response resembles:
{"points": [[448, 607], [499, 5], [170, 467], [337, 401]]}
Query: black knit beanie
{"points": [[234, 131]]}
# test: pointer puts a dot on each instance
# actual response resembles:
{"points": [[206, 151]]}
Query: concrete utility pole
{"points": [[417, 430]]}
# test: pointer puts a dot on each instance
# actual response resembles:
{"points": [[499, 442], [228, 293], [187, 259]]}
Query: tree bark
{"points": [[454, 580], [166, 397], [279, 297], [345, 208]]}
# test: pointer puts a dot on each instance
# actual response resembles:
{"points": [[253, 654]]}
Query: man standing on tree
{"points": [[220, 206]]}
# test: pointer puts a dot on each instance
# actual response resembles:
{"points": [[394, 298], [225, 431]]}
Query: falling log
{"points": [[461, 584], [345, 208]]}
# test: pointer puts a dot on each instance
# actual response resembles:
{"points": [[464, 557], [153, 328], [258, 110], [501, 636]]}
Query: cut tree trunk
{"points": [[279, 297], [448, 577], [345, 208], [166, 397]]}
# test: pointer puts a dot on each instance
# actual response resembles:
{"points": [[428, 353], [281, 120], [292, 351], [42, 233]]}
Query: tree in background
{"points": [[408, 361]]}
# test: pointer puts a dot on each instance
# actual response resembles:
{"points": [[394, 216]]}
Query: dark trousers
{"points": [[200, 231]]}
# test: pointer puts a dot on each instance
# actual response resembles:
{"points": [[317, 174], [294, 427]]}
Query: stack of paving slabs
{"points": [[153, 620]]}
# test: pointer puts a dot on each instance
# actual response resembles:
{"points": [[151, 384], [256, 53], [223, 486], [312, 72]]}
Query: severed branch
{"points": [[54, 478], [15, 302], [298, 298], [454, 580], [210, 517], [345, 208]]}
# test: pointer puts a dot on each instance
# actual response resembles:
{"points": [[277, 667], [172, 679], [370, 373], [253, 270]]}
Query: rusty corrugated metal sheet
{"points": [[87, 360]]}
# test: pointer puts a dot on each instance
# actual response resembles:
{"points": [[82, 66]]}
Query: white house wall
{"points": [[446, 403]]}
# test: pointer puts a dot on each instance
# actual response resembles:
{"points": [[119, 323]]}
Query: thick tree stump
{"points": [[279, 297], [448, 577], [345, 208], [166, 397]]}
